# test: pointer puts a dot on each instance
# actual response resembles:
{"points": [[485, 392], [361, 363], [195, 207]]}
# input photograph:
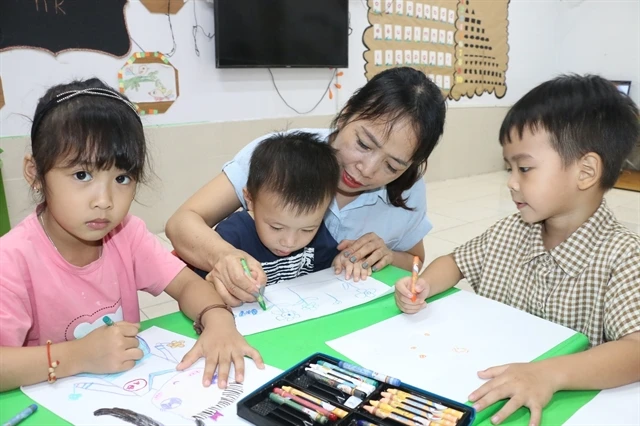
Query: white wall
{"points": [[602, 37], [545, 38]]}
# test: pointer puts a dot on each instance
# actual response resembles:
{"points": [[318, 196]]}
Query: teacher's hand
{"points": [[351, 270], [230, 280], [369, 251]]}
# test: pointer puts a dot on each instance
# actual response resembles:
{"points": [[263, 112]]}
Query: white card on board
{"points": [[377, 32]]}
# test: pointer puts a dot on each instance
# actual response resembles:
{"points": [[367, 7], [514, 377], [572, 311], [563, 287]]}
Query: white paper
{"points": [[444, 346], [619, 406], [398, 57], [416, 57], [388, 57], [410, 9], [417, 33], [447, 83], [377, 7], [398, 32], [152, 388], [408, 33], [388, 29], [452, 16], [377, 57], [443, 14], [306, 297], [388, 7], [377, 32], [425, 34], [424, 57]]}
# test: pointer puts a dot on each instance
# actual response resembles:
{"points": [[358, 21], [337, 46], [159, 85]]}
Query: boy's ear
{"points": [[30, 172], [589, 170], [247, 198]]}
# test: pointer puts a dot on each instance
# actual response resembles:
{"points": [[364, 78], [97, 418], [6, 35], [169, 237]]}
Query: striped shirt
{"points": [[589, 283]]}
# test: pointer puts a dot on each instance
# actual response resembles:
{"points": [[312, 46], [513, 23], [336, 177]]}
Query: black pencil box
{"points": [[260, 410]]}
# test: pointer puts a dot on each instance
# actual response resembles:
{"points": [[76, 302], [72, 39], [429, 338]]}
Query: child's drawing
{"points": [[153, 391], [151, 82], [306, 297]]}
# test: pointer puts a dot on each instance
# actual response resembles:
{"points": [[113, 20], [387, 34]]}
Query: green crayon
{"points": [[313, 415], [257, 294]]}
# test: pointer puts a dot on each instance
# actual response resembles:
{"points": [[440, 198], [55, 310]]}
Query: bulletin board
{"points": [[461, 45]]}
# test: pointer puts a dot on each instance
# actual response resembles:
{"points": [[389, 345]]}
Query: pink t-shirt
{"points": [[43, 297]]}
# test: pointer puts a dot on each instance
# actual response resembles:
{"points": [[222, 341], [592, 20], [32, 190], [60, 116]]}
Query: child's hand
{"points": [[404, 295], [358, 271], [525, 385], [220, 344], [110, 349], [230, 280]]}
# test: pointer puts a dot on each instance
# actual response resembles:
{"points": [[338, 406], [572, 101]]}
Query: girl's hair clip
{"points": [[94, 91], [91, 91]]}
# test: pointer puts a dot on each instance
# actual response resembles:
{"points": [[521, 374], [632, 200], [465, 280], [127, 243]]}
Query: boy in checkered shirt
{"points": [[564, 257]]}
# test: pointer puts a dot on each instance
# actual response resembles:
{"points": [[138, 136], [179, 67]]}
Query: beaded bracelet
{"points": [[52, 365]]}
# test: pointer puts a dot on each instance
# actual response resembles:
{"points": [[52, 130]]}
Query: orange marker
{"points": [[414, 276]]}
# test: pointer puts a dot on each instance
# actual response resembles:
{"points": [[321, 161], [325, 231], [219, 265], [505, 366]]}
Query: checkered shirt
{"points": [[589, 283]]}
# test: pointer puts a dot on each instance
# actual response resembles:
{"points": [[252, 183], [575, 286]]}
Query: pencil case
{"points": [[308, 394]]}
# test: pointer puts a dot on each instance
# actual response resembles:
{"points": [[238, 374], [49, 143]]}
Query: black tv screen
{"points": [[281, 33]]}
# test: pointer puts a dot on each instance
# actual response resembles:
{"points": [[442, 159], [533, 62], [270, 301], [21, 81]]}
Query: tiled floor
{"points": [[459, 209]]}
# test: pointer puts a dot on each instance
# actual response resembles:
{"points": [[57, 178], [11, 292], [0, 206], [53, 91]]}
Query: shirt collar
{"points": [[367, 198], [573, 254]]}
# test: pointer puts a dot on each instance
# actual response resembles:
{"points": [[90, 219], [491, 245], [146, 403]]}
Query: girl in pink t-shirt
{"points": [[77, 262]]}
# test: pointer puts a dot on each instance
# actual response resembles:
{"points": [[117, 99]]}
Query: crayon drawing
{"points": [[439, 348], [310, 296], [153, 389]]}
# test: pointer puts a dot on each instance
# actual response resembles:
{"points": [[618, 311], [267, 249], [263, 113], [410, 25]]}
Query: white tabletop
{"points": [[611, 407]]}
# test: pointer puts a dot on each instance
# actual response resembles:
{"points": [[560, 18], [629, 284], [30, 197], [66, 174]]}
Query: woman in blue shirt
{"points": [[383, 137]]}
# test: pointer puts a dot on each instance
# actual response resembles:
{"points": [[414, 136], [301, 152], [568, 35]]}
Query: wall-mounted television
{"points": [[281, 33]]}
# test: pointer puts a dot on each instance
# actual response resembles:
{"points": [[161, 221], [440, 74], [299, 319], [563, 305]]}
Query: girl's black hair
{"points": [[89, 130], [396, 95]]}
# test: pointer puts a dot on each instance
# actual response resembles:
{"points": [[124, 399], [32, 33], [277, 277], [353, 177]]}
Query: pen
{"points": [[107, 321]]}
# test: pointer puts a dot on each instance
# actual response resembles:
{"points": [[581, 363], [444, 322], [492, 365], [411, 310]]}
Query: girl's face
{"points": [[84, 205], [369, 158]]}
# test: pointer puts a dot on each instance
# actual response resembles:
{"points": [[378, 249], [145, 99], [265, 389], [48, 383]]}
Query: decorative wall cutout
{"points": [[459, 44], [1, 94], [150, 81], [161, 6]]}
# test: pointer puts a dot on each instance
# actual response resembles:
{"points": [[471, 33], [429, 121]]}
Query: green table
{"points": [[284, 347]]}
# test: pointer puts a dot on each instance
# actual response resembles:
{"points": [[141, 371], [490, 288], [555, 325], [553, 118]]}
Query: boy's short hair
{"points": [[299, 167], [581, 114]]}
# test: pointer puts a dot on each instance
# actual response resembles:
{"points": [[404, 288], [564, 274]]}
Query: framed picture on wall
{"points": [[150, 81]]}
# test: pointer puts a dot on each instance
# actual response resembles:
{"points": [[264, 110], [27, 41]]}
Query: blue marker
{"points": [[372, 374], [364, 423], [109, 323], [21, 415]]}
